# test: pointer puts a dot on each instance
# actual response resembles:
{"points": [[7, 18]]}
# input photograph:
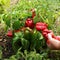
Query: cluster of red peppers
{"points": [[40, 26], [28, 23]]}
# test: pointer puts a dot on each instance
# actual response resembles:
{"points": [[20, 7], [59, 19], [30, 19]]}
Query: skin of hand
{"points": [[53, 43]]}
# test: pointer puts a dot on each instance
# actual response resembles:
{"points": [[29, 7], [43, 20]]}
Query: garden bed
{"points": [[21, 38]]}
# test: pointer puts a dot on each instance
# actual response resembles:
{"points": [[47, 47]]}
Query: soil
{"points": [[5, 42]]}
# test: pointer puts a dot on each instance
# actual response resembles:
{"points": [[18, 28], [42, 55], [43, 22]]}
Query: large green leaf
{"points": [[16, 25], [16, 43], [7, 21], [25, 43]]}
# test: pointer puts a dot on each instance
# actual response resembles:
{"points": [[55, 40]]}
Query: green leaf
{"points": [[12, 58], [16, 25], [30, 58], [7, 21], [19, 34], [25, 43], [16, 43], [15, 39]]}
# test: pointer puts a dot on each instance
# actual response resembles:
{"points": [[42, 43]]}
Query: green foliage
{"points": [[7, 22], [28, 40], [37, 40], [3, 5], [45, 11], [16, 41], [16, 25], [32, 55]]}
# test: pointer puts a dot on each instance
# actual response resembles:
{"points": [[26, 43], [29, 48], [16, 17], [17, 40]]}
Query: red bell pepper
{"points": [[29, 23]]}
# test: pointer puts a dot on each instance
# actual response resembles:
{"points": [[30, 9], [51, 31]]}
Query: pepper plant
{"points": [[23, 19]]}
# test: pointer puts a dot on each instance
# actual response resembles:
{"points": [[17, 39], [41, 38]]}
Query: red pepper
{"points": [[9, 33], [29, 23], [33, 13], [41, 26], [16, 30], [57, 37], [45, 35], [46, 30]]}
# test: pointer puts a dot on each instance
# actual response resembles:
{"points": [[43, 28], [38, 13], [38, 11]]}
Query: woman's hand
{"points": [[54, 42]]}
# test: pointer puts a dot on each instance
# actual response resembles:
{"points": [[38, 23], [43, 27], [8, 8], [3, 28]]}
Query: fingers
{"points": [[50, 45], [54, 41], [58, 36], [49, 36]]}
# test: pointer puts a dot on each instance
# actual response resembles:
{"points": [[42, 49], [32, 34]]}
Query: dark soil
{"points": [[7, 46]]}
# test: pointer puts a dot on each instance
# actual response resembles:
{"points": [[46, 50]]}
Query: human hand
{"points": [[53, 41]]}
